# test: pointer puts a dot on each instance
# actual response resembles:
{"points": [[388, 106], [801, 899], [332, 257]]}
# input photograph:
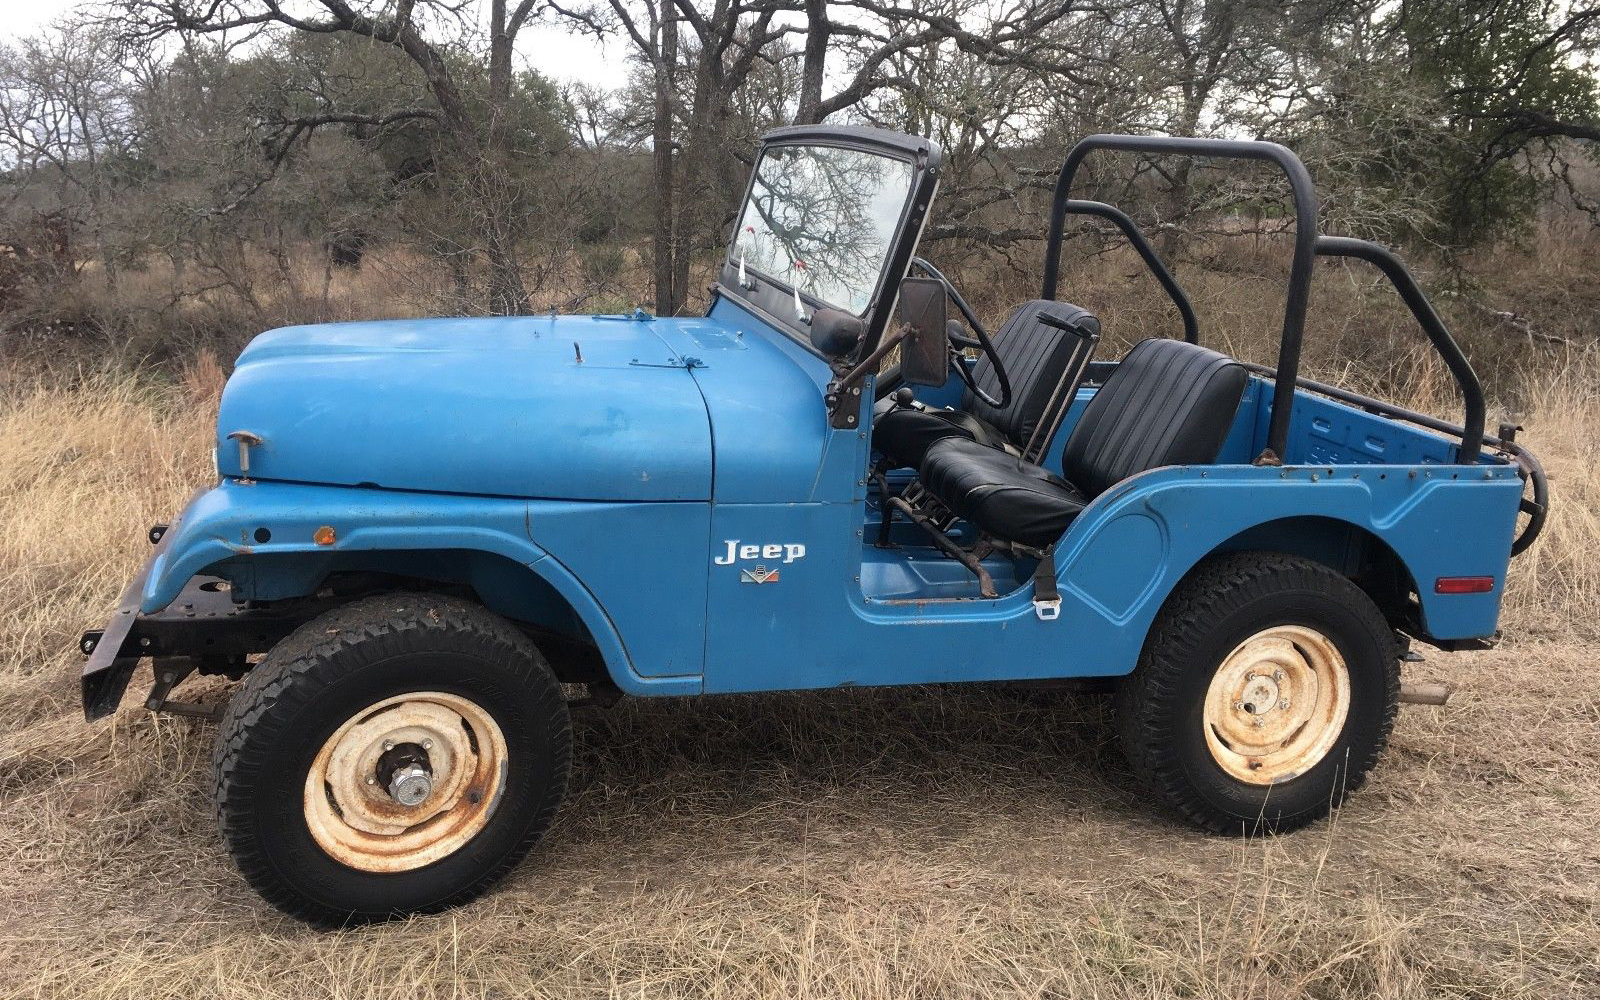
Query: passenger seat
{"points": [[1168, 403]]}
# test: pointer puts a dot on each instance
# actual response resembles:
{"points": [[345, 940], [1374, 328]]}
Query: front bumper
{"points": [[114, 652], [202, 628]]}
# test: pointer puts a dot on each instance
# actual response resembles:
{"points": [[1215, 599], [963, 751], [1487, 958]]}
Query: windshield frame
{"points": [[771, 298]]}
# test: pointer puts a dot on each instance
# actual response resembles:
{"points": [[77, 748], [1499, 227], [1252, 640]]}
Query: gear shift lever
{"points": [[904, 397]]}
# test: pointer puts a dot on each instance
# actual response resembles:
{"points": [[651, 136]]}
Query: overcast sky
{"points": [[553, 52]]}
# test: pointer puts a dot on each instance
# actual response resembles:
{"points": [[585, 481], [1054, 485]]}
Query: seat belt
{"points": [[1046, 598], [980, 431]]}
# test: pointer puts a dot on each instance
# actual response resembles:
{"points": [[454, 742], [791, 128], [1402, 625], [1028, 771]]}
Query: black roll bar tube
{"points": [[1471, 390], [1305, 239], [1308, 244], [1130, 229]]}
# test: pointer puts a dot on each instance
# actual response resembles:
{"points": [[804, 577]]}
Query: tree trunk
{"points": [[701, 141], [497, 198], [816, 53], [1179, 190], [508, 296], [665, 182]]}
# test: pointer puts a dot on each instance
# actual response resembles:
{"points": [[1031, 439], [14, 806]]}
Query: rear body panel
{"points": [[1115, 567]]}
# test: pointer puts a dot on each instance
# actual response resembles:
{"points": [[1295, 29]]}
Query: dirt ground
{"points": [[931, 842]]}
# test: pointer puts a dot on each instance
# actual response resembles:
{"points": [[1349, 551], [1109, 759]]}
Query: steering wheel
{"points": [[959, 343]]}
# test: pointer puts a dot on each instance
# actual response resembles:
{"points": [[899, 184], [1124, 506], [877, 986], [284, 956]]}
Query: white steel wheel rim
{"points": [[1277, 704], [350, 811]]}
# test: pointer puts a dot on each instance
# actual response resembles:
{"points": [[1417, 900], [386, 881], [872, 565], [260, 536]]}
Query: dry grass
{"points": [[919, 843]]}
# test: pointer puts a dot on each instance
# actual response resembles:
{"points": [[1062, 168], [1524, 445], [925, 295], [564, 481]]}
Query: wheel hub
{"points": [[1277, 704], [1260, 695], [407, 773], [405, 782]]}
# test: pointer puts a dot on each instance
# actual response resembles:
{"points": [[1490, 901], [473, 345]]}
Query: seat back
{"points": [[1168, 403], [1035, 356]]}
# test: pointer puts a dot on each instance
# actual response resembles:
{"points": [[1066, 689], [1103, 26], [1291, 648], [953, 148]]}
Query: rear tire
{"points": [[1266, 691], [397, 755]]}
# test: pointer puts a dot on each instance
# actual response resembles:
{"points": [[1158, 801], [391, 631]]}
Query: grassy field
{"points": [[917, 843]]}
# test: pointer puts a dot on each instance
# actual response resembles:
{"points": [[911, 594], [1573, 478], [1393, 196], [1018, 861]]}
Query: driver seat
{"points": [[1035, 356]]}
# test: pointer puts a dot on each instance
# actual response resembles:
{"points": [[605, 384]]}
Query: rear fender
{"points": [[1130, 548]]}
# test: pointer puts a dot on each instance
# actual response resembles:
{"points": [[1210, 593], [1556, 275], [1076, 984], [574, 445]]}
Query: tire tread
{"points": [[302, 667], [1149, 696]]}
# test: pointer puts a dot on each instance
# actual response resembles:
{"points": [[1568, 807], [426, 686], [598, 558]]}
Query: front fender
{"points": [[238, 520], [263, 537]]}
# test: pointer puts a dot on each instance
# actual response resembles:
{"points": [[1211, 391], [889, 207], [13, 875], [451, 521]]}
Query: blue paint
{"points": [[602, 497], [498, 407]]}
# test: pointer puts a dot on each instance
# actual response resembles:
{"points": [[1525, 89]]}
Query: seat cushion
{"points": [[902, 434], [1167, 403], [1000, 493]]}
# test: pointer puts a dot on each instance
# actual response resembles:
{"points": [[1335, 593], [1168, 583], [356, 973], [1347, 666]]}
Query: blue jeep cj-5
{"points": [[423, 529]]}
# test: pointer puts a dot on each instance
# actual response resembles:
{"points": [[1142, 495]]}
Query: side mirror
{"points": [[835, 332], [925, 351]]}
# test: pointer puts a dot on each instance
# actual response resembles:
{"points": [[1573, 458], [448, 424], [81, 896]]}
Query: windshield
{"points": [[823, 219]]}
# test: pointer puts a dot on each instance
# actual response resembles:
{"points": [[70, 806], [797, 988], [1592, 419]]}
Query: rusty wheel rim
{"points": [[351, 807], [1277, 704]]}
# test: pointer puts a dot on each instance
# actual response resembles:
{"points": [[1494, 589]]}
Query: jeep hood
{"points": [[572, 407]]}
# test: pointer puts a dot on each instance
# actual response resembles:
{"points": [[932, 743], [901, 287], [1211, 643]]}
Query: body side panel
{"points": [[669, 581], [645, 564], [764, 396], [1116, 565]]}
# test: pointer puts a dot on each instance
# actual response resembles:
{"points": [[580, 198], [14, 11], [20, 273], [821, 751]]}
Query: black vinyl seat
{"points": [[1168, 403], [1035, 356]]}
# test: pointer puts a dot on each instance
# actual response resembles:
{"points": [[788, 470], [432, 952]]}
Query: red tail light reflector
{"points": [[1463, 585]]}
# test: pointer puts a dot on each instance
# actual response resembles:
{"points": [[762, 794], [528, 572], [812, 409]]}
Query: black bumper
{"points": [[203, 627], [114, 651]]}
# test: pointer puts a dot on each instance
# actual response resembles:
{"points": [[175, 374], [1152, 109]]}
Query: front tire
{"points": [[397, 755], [1266, 691]]}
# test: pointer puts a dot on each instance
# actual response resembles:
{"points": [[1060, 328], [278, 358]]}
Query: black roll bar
{"points": [[1471, 431], [1392, 268], [1307, 245], [1130, 229], [1305, 239]]}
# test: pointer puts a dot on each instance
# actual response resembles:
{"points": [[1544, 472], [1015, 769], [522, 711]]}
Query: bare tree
{"points": [[874, 38], [65, 121], [1214, 51], [412, 27], [698, 55]]}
